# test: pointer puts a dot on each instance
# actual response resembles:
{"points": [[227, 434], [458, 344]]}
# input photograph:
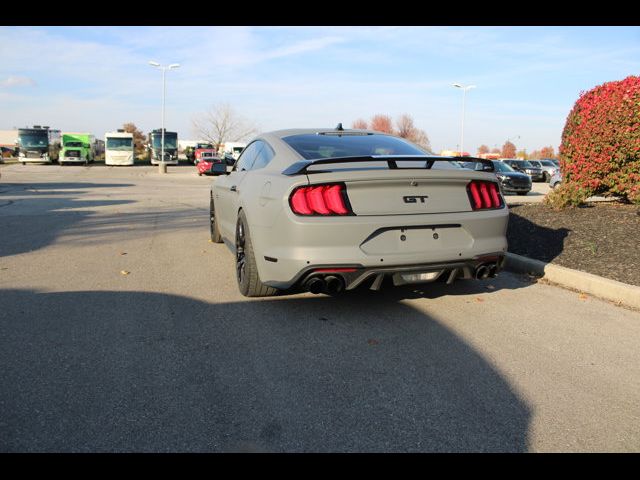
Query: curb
{"points": [[618, 292]]}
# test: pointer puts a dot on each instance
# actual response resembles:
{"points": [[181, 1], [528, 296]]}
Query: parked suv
{"points": [[510, 180], [556, 179], [547, 166], [525, 167]]}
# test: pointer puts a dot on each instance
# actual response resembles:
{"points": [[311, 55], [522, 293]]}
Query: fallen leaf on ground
{"points": [[373, 341], [478, 299], [582, 296], [123, 253], [124, 272]]}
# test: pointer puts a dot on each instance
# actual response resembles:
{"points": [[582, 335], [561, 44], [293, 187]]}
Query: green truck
{"points": [[77, 148]]}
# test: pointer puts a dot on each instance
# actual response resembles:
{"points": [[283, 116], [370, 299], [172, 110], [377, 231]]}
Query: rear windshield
{"points": [[313, 146]]}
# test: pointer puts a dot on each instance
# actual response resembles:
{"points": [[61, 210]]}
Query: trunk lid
{"points": [[404, 191]]}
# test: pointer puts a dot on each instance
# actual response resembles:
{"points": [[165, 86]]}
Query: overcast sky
{"points": [[96, 78]]}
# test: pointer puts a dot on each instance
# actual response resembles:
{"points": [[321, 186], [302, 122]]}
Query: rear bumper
{"points": [[292, 247], [514, 189], [72, 160], [34, 160], [355, 276]]}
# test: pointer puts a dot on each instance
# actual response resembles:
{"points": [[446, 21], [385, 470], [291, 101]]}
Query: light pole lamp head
{"points": [[174, 65], [458, 85], [154, 64]]}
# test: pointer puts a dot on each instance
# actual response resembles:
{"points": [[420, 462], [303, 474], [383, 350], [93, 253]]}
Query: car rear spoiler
{"points": [[302, 166]]}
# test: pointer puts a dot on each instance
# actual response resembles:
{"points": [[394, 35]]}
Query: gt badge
{"points": [[415, 198]]}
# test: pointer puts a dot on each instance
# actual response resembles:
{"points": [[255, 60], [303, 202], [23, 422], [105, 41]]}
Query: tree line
{"points": [[509, 150], [404, 127], [222, 123]]}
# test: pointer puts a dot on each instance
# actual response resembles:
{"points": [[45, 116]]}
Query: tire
{"points": [[246, 269], [522, 193], [547, 177], [213, 225]]}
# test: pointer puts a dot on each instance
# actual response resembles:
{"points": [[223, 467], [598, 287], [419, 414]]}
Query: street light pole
{"points": [[464, 97], [162, 166]]}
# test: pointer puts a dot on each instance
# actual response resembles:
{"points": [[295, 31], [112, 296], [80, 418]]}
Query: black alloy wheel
{"points": [[241, 262], [213, 226]]}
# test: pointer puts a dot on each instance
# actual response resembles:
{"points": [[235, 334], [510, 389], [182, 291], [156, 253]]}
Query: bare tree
{"points": [[360, 124], [222, 124], [381, 123], [407, 129]]}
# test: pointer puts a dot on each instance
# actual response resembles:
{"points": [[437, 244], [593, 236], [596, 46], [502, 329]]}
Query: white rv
{"points": [[118, 148]]}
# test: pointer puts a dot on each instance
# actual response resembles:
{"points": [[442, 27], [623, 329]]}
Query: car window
{"points": [[264, 156], [248, 156], [502, 167], [312, 146]]}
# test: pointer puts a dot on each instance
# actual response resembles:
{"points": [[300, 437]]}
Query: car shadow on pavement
{"points": [[35, 188], [532, 240], [137, 371], [34, 215]]}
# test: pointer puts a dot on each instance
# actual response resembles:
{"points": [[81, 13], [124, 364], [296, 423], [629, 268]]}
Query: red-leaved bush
{"points": [[600, 150]]}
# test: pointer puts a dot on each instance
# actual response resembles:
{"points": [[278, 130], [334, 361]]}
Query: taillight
{"points": [[328, 199], [484, 195]]}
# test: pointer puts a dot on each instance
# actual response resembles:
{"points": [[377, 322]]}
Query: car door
{"points": [[228, 187]]}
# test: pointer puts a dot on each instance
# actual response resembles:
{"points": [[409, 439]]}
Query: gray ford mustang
{"points": [[326, 210]]}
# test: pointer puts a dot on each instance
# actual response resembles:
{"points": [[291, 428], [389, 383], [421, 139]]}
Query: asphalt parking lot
{"points": [[536, 195], [122, 329]]}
